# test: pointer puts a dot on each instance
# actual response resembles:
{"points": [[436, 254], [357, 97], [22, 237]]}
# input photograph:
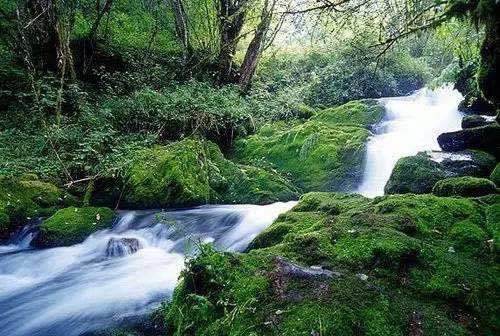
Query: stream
{"points": [[118, 275], [411, 125]]}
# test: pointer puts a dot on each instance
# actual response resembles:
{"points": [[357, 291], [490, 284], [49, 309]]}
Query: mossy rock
{"points": [[323, 154], [466, 186], [357, 112], [22, 198], [72, 225], [396, 263], [193, 172], [419, 173], [485, 138], [495, 175]]}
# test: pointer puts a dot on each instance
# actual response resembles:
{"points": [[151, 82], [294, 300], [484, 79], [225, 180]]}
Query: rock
{"points": [[418, 174], [72, 225], [27, 197], [485, 138], [119, 247], [465, 186], [477, 121], [191, 172], [292, 270], [472, 104]]}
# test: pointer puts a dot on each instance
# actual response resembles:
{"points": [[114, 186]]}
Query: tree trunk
{"points": [[254, 49], [181, 27], [489, 73], [231, 15], [49, 37]]}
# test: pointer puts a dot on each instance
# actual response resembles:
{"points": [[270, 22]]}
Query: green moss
{"points": [[466, 186], [414, 174], [192, 172], [325, 153], [495, 175], [21, 199], [358, 112], [419, 173], [72, 225], [404, 263]]}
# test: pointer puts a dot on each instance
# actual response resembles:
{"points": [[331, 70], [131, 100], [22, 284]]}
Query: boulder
{"points": [[418, 174], [72, 225], [191, 172], [472, 121], [25, 197], [485, 138], [466, 186], [119, 247], [474, 104]]}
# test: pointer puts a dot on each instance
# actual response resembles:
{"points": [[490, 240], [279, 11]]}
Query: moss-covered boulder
{"points": [[419, 173], [324, 153], [466, 186], [22, 198], [486, 138], [362, 113], [495, 175], [72, 225], [192, 172], [396, 265]]}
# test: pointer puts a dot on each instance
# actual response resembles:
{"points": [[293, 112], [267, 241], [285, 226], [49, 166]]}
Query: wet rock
{"points": [[419, 173], [477, 121], [316, 277], [476, 105], [485, 138], [119, 247], [295, 271]]}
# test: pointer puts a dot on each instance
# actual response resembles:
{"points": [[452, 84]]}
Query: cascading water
{"points": [[412, 124], [118, 275]]}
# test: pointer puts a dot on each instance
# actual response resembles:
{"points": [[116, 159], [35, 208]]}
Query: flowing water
{"points": [[118, 275], [411, 125]]}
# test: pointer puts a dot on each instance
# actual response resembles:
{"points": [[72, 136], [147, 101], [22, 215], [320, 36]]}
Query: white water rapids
{"points": [[411, 125], [68, 291]]}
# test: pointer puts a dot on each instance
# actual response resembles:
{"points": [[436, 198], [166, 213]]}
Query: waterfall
{"points": [[411, 124], [117, 275]]}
